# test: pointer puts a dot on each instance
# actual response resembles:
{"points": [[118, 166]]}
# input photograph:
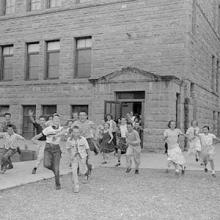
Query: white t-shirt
{"points": [[78, 146], [50, 133], [11, 141], [172, 136], [207, 140], [123, 130]]}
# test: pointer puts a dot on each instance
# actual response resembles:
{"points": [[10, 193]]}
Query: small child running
{"points": [[78, 149], [208, 149], [175, 155]]}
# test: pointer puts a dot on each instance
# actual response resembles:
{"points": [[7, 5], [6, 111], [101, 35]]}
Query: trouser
{"points": [[92, 145], [40, 156], [135, 153], [78, 163], [52, 155], [6, 160]]}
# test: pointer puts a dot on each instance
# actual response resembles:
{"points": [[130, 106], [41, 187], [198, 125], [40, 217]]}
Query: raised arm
{"points": [[19, 137], [31, 114]]}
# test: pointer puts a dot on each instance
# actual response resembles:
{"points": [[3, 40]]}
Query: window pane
{"points": [[84, 56], [9, 6], [49, 110], [7, 68], [55, 45], [84, 43], [88, 42], [34, 60], [80, 108], [83, 70], [3, 110], [54, 3], [33, 48], [8, 51], [53, 65], [28, 130], [35, 5]]}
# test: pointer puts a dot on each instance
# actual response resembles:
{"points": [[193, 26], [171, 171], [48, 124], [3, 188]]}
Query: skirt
{"points": [[175, 155], [208, 153], [194, 146]]}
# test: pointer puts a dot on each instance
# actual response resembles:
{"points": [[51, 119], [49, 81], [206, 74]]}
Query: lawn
{"points": [[112, 194]]}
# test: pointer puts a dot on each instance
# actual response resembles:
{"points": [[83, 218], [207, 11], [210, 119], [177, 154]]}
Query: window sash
{"points": [[54, 3], [8, 51], [83, 63], [7, 68], [53, 65], [33, 48], [83, 43], [33, 66], [9, 6], [35, 5], [53, 46]]}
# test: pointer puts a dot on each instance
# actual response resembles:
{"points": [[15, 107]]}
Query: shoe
{"points": [[118, 164], [167, 171], [76, 189], [58, 187], [18, 150], [183, 170], [104, 162], [197, 160], [177, 172], [34, 170], [213, 175], [206, 170], [128, 170], [136, 172], [10, 166]]}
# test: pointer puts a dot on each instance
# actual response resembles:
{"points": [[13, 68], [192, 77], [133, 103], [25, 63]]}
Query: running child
{"points": [[208, 148], [134, 148], [106, 144], [121, 146], [175, 155], [52, 152], [10, 139], [194, 141], [78, 149]]}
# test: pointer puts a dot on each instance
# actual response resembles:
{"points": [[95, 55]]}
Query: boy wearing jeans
{"points": [[78, 149], [134, 148]]}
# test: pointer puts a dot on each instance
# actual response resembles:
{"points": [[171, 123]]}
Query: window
{"points": [[53, 3], [7, 63], [34, 5], [9, 6], [49, 110], [83, 57], [218, 128], [214, 121], [217, 76], [53, 54], [213, 74], [28, 130], [33, 64], [80, 108], [3, 110], [219, 19]]}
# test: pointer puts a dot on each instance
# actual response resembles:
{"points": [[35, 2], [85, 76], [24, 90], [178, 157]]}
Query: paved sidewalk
{"points": [[21, 174]]}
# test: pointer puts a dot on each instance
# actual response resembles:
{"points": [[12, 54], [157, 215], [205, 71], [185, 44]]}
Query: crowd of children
{"points": [[82, 136]]}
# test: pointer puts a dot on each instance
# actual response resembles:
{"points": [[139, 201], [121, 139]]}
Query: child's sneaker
{"points": [[136, 171], [128, 170], [118, 164], [177, 172], [213, 173], [58, 187], [34, 170], [76, 189], [206, 170], [183, 170]]}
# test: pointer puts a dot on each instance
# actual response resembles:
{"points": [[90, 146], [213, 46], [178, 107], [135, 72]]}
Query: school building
{"points": [[157, 58]]}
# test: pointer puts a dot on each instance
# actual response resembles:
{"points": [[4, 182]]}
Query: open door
{"points": [[113, 108]]}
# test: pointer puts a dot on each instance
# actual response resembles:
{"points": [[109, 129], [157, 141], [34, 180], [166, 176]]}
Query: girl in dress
{"points": [[113, 127], [106, 145], [122, 145], [175, 155], [194, 141], [208, 149]]}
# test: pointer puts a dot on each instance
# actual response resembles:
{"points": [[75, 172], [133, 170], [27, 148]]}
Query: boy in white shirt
{"points": [[78, 149], [208, 149], [52, 152]]}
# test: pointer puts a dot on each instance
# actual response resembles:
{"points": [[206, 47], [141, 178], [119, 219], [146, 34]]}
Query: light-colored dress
{"points": [[174, 152], [194, 141], [208, 149]]}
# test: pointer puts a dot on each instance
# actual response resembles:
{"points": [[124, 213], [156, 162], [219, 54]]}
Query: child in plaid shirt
{"points": [[78, 149]]}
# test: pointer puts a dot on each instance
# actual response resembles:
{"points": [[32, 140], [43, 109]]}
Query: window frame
{"points": [[47, 59], [2, 72], [27, 74], [29, 6], [76, 75], [5, 7]]}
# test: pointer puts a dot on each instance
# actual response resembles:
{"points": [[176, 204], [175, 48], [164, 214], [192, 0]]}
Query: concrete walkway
{"points": [[21, 174]]}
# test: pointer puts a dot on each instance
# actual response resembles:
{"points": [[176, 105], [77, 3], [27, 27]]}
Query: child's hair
{"points": [[75, 127], [206, 126], [7, 113], [130, 123], [169, 123], [42, 117], [10, 126], [56, 115], [194, 121]]}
